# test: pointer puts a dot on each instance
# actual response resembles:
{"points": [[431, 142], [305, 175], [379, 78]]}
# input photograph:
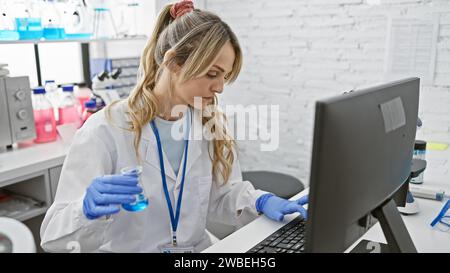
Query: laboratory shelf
{"points": [[130, 38], [29, 158], [31, 213], [33, 170]]}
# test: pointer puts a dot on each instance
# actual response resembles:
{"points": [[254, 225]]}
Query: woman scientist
{"points": [[191, 54]]}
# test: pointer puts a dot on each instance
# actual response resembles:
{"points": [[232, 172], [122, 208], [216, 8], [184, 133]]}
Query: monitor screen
{"points": [[61, 62]]}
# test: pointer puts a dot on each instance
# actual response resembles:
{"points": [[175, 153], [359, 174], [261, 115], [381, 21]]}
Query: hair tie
{"points": [[181, 8]]}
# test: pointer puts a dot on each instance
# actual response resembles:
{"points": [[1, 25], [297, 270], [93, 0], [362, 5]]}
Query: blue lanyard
{"points": [[174, 218]]}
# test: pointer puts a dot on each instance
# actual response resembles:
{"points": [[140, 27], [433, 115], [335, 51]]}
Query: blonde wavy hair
{"points": [[196, 38]]}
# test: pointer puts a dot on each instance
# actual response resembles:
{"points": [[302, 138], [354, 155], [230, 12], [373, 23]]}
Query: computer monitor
{"points": [[362, 151]]}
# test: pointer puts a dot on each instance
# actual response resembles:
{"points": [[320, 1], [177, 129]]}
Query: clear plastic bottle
{"points": [[90, 107], [83, 94], [69, 107], [44, 119], [53, 28], [51, 91], [133, 16]]}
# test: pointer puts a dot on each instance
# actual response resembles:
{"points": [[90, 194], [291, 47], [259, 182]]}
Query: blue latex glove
{"points": [[275, 207], [106, 192]]}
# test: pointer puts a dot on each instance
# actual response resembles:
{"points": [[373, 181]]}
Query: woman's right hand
{"points": [[107, 192]]}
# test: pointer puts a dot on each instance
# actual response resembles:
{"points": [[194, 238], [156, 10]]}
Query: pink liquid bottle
{"points": [[83, 94], [69, 107], [90, 107], [44, 117]]}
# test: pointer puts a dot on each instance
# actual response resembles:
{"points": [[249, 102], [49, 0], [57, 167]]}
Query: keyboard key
{"points": [[277, 234], [283, 245], [297, 246], [269, 250], [275, 243]]}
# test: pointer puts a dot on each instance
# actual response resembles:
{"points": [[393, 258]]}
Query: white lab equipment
{"points": [[416, 177], [411, 205], [51, 91], [7, 25], [100, 148], [15, 237], [52, 22], [104, 24], [133, 11], [76, 20], [16, 111], [103, 85], [128, 18]]}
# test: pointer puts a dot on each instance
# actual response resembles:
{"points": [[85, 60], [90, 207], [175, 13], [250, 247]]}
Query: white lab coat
{"points": [[100, 148]]}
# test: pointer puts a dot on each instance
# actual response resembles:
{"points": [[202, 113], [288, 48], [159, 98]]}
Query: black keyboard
{"points": [[288, 239]]}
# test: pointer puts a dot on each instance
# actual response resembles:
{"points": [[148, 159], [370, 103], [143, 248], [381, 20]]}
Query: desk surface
{"points": [[425, 238], [29, 157]]}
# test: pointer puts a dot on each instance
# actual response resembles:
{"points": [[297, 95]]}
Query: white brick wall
{"points": [[298, 51]]}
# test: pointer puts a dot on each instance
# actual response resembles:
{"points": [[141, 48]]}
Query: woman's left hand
{"points": [[275, 207]]}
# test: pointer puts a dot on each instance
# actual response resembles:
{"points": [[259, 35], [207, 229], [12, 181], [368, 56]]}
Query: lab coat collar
{"points": [[194, 149]]}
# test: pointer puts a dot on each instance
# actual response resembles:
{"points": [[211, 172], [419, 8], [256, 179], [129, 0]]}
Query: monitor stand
{"points": [[394, 229], [366, 246]]}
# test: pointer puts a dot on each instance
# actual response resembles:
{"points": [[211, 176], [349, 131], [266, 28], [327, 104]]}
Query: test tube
{"points": [[429, 193]]}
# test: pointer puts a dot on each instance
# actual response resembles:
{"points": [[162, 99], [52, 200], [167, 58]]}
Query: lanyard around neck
{"points": [[174, 217]]}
